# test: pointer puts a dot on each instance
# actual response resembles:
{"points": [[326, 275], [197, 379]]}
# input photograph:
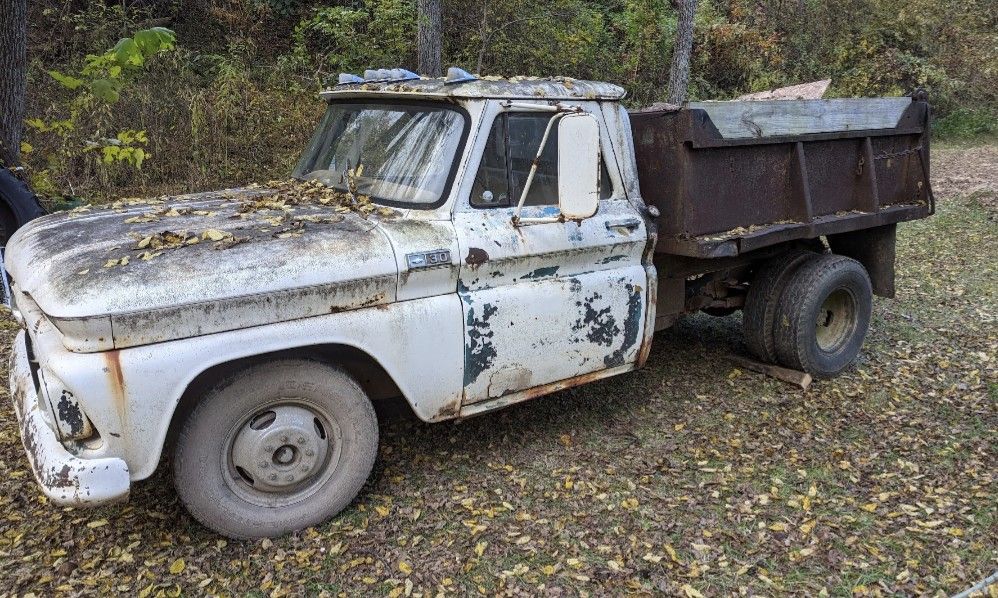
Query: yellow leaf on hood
{"points": [[213, 234]]}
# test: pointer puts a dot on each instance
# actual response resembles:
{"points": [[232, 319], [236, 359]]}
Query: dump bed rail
{"points": [[731, 177]]}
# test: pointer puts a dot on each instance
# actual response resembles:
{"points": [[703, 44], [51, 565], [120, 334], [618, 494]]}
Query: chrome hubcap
{"points": [[282, 453]]}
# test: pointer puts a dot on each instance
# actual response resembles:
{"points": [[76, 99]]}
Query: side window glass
{"points": [[526, 130], [508, 156], [491, 187]]}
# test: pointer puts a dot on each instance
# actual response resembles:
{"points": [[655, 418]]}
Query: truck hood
{"points": [[146, 271]]}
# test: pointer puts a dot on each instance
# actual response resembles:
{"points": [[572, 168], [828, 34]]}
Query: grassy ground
{"points": [[689, 477]]}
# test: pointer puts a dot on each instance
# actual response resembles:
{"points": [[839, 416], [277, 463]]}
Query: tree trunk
{"points": [[429, 37], [679, 74], [13, 65]]}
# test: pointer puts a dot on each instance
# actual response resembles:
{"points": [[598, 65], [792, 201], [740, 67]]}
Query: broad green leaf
{"points": [[127, 53], [105, 89], [155, 40], [111, 154], [65, 80]]}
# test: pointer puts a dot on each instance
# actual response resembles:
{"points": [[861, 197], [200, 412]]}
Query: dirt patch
{"points": [[970, 171]]}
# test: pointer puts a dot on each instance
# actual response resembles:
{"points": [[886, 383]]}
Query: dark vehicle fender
{"points": [[21, 203], [875, 249]]}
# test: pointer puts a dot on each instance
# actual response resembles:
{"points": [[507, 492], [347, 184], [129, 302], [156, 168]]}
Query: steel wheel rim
{"points": [[836, 320], [281, 453]]}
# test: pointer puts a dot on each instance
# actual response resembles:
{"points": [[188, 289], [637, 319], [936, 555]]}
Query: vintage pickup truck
{"points": [[499, 240]]}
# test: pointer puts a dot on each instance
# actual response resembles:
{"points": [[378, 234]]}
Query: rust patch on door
{"points": [[476, 257]]}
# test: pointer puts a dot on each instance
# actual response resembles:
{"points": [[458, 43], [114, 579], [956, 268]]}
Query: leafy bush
{"points": [[965, 123], [349, 39], [235, 101], [94, 89]]}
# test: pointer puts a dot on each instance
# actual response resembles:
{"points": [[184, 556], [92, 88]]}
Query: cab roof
{"points": [[555, 88]]}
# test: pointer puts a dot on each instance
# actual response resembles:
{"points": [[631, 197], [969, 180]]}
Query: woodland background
{"points": [[235, 100]]}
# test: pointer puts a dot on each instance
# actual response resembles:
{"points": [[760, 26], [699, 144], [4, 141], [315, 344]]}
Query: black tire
{"points": [[823, 316], [259, 418], [8, 224], [763, 298]]}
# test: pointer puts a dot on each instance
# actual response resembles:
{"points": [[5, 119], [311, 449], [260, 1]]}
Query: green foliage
{"points": [[867, 47], [352, 38], [235, 101], [104, 75], [96, 87], [965, 123]]}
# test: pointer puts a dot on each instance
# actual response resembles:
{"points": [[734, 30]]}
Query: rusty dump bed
{"points": [[731, 177]]}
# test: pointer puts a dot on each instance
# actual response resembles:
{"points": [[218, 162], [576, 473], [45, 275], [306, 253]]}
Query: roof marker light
{"points": [[346, 78], [388, 75], [456, 75], [404, 75]]}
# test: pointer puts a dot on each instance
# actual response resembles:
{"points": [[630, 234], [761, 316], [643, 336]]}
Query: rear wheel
{"points": [[279, 447], [823, 316], [763, 298]]}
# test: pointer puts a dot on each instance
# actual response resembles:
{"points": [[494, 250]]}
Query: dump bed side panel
{"points": [[731, 177]]}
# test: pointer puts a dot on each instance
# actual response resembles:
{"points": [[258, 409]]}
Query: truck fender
{"points": [[875, 248]]}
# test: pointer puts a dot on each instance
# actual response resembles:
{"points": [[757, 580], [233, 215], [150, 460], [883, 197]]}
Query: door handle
{"points": [[630, 224]]}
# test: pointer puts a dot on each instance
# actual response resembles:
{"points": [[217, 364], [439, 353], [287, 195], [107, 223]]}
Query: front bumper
{"points": [[64, 478]]}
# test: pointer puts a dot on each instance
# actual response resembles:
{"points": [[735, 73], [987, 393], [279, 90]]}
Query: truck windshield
{"points": [[398, 154]]}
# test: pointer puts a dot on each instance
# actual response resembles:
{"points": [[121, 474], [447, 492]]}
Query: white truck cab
{"points": [[514, 262]]}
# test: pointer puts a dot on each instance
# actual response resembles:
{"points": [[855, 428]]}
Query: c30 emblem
{"points": [[428, 259]]}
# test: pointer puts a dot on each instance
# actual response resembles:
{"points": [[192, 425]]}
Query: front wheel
{"points": [[823, 315], [277, 448]]}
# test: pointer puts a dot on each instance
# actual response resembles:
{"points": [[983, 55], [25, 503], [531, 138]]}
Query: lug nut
{"points": [[301, 440], [290, 478], [284, 438], [309, 453], [263, 465], [273, 477], [269, 448]]}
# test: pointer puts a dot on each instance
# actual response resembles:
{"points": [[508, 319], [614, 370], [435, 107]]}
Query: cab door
{"points": [[544, 303]]}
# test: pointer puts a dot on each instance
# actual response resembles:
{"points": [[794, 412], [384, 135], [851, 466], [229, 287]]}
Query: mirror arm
{"points": [[533, 167]]}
